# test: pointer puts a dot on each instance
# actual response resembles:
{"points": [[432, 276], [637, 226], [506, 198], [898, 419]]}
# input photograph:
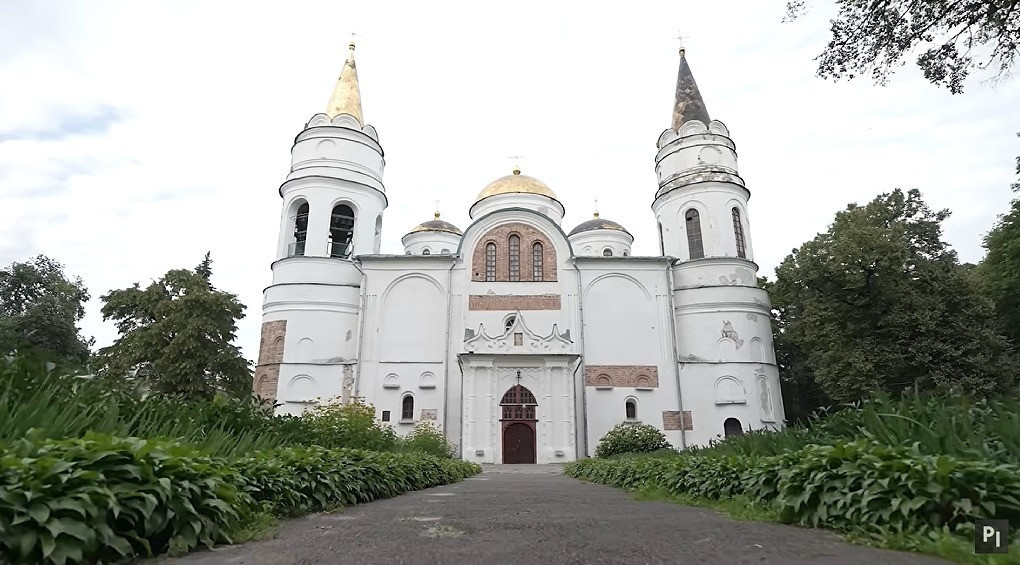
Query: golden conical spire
{"points": [[346, 97]]}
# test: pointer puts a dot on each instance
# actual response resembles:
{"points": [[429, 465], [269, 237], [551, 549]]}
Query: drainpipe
{"points": [[362, 314], [676, 353], [446, 354], [580, 344]]}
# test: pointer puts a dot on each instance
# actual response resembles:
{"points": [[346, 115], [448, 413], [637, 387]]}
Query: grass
{"points": [[940, 544]]}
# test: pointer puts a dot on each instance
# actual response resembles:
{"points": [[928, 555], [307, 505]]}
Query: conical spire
{"points": [[346, 97], [688, 105]]}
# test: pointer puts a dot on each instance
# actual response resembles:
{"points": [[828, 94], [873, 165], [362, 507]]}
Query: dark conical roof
{"points": [[688, 105]]}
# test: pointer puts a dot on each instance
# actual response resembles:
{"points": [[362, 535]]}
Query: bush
{"points": [[107, 499], [352, 425], [631, 438], [426, 438]]}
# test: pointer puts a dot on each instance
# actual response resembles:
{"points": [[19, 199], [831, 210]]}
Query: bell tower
{"points": [[333, 202], [724, 334]]}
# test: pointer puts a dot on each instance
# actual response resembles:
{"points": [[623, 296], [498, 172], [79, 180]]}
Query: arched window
{"points": [[341, 231], [738, 232], [407, 407], [631, 407], [515, 258], [509, 321], [607, 252], [625, 254], [536, 262], [732, 428], [300, 220], [426, 251], [444, 252], [694, 243], [490, 261]]}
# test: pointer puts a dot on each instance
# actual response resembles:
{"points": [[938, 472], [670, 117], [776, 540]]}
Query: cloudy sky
{"points": [[135, 136]]}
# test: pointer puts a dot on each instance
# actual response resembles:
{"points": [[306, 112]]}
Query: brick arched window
{"points": [[536, 261], [738, 233], [514, 257], [694, 243], [490, 261]]}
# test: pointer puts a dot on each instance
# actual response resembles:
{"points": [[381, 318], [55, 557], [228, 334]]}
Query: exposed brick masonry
{"points": [[267, 371], [513, 302], [672, 420], [500, 235], [621, 375]]}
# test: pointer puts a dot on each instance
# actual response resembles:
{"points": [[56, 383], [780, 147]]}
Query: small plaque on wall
{"points": [[429, 414]]}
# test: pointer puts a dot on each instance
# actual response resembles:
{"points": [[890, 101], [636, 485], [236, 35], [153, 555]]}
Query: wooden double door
{"points": [[518, 421]]}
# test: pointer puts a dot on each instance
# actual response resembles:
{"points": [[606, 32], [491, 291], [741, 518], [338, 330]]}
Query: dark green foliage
{"points": [[428, 439], [631, 438], [105, 499], [176, 336], [40, 307], [880, 303], [305, 479], [102, 498], [333, 424], [848, 485], [949, 38], [999, 273]]}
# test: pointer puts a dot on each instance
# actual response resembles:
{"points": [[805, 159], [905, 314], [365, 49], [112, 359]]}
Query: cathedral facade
{"points": [[522, 340]]}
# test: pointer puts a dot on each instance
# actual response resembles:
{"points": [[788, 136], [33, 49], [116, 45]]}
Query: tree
{"points": [[40, 308], [880, 303], [953, 37], [176, 335], [1000, 271], [205, 267]]}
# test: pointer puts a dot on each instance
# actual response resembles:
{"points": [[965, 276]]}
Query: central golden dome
{"points": [[516, 184]]}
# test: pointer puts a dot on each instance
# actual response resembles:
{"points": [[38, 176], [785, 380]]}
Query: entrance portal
{"points": [[518, 422]]}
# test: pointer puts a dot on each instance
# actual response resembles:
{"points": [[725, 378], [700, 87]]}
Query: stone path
{"points": [[531, 515]]}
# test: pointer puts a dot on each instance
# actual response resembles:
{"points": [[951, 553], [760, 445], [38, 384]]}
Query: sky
{"points": [[136, 136]]}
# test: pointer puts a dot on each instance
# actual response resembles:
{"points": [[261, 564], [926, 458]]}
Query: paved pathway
{"points": [[533, 515]]}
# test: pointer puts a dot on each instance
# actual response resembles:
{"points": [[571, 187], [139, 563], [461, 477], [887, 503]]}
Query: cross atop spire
{"points": [[688, 104], [346, 98], [517, 163], [596, 208]]}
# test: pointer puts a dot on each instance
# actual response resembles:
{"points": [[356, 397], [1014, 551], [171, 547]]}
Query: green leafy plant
{"points": [[426, 438], [631, 438], [352, 425]]}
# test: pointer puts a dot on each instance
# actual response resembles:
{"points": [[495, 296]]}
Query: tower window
{"points": [[515, 258], [536, 262], [407, 407], [607, 252], [662, 242], [738, 233], [300, 221], [341, 231], [631, 407], [694, 242], [490, 261], [426, 251]]}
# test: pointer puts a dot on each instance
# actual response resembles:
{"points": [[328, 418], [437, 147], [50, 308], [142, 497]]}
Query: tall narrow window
{"points": [[631, 409], [536, 262], [662, 242], [407, 408], [694, 243], [738, 232], [490, 262], [300, 231], [515, 258], [341, 231]]}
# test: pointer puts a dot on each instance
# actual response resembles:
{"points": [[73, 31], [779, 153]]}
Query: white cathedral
{"points": [[522, 341]]}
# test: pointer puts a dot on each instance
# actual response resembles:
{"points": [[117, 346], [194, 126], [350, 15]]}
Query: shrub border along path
{"points": [[872, 491], [103, 498]]}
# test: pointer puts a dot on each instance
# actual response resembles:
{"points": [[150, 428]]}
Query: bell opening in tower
{"points": [[341, 231]]}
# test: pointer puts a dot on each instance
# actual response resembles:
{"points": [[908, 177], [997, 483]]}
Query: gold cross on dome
{"points": [[516, 161]]}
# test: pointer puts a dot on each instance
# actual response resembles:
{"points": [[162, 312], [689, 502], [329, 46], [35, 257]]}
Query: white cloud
{"points": [[206, 99]]}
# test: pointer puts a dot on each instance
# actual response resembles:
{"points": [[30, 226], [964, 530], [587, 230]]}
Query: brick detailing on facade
{"points": [[513, 302], [643, 376], [500, 236], [267, 371], [672, 420]]}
